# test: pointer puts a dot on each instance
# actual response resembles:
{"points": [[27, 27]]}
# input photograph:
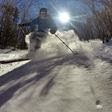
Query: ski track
{"points": [[58, 81]]}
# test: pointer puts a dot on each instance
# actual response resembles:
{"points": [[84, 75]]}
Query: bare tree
{"points": [[101, 19], [9, 15]]}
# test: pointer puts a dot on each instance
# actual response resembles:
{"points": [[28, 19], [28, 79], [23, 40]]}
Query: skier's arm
{"points": [[25, 24], [53, 27], [33, 22]]}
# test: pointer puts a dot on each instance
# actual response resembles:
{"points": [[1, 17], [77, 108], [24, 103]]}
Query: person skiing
{"points": [[40, 27]]}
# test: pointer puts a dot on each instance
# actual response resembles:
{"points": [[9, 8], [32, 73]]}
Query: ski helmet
{"points": [[43, 10]]}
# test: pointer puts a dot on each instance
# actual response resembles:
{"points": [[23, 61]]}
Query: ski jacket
{"points": [[42, 25]]}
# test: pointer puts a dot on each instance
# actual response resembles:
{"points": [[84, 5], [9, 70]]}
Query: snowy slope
{"points": [[58, 81], [8, 55]]}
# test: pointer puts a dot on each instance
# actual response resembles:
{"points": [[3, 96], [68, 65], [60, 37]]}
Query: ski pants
{"points": [[35, 40]]}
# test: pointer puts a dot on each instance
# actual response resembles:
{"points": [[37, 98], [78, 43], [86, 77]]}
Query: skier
{"points": [[40, 27]]}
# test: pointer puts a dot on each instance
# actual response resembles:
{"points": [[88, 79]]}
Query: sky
{"points": [[62, 4], [75, 7]]}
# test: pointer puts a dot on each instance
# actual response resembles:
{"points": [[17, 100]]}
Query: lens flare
{"points": [[64, 17]]}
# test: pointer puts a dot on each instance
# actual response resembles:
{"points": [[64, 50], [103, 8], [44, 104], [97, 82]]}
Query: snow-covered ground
{"points": [[57, 80], [10, 54]]}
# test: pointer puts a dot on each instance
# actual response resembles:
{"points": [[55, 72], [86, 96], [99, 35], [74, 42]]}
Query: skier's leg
{"points": [[40, 36], [32, 45], [27, 40]]}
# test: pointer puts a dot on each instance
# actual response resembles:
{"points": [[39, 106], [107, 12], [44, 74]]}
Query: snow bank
{"points": [[52, 46]]}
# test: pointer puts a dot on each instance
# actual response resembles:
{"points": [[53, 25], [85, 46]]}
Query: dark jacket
{"points": [[42, 25]]}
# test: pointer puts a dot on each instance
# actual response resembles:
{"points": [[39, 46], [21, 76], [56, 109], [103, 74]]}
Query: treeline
{"points": [[99, 24]]}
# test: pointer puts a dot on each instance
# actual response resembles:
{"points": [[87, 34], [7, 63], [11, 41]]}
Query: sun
{"points": [[64, 17]]}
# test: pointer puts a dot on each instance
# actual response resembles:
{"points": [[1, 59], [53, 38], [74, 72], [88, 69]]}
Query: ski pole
{"points": [[65, 44], [22, 30]]}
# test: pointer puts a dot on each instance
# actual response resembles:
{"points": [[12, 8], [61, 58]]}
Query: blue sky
{"points": [[73, 6]]}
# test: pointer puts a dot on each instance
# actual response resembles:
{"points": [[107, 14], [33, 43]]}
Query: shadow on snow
{"points": [[18, 77]]}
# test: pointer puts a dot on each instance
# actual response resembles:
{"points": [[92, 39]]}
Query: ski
{"points": [[13, 60]]}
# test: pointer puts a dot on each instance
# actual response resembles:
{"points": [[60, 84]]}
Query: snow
{"points": [[8, 54], [58, 81]]}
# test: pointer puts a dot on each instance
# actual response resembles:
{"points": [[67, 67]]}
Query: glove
{"points": [[53, 31]]}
